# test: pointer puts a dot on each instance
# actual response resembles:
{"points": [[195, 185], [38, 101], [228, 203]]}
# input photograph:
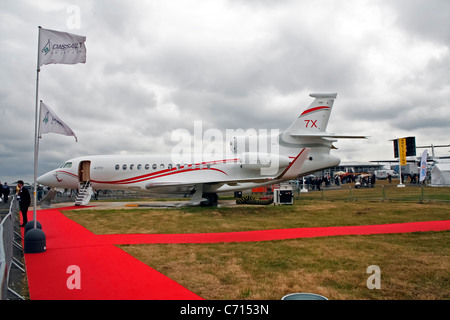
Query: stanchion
{"points": [[34, 241], [30, 225]]}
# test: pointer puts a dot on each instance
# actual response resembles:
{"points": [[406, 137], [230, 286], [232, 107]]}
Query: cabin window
{"points": [[154, 166], [147, 166], [161, 166], [178, 166], [131, 166], [117, 167], [124, 167], [139, 166], [169, 166]]}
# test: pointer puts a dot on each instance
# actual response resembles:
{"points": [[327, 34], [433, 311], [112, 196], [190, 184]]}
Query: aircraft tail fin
{"points": [[315, 118]]}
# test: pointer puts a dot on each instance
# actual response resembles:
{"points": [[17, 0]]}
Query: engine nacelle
{"points": [[257, 161], [263, 143]]}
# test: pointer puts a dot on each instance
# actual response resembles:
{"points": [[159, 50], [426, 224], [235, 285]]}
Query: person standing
{"points": [[23, 196], [5, 192]]}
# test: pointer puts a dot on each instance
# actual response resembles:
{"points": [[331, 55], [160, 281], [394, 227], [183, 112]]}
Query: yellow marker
{"points": [[402, 150]]}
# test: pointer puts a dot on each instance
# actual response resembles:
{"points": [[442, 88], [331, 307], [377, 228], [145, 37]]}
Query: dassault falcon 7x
{"points": [[304, 147]]}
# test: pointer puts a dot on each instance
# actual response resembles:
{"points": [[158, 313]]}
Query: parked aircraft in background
{"points": [[302, 148]]}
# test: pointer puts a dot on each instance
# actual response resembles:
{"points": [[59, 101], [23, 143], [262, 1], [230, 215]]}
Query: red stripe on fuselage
{"points": [[156, 175], [168, 172], [162, 173], [68, 173]]}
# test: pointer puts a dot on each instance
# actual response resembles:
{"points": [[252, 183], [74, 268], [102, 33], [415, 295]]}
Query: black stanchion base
{"points": [[30, 225], [34, 241]]}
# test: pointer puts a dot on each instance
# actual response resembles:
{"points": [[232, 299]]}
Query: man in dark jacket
{"points": [[5, 192], [23, 196]]}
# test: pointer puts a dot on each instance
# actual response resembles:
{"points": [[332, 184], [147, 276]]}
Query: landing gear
{"points": [[204, 199], [210, 199]]}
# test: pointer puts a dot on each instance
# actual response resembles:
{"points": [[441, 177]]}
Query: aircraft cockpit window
{"points": [[67, 165]]}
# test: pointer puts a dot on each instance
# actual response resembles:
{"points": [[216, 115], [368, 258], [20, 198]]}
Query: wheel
{"points": [[211, 199]]}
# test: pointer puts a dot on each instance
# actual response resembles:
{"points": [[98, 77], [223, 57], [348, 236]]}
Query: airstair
{"points": [[84, 194]]}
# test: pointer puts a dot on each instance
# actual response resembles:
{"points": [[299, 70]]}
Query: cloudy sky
{"points": [[159, 65]]}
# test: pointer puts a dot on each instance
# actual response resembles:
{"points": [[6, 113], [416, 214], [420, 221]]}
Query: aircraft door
{"points": [[84, 171]]}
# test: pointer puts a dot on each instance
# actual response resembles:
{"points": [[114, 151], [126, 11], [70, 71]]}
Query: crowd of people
{"points": [[367, 180], [359, 179], [4, 192]]}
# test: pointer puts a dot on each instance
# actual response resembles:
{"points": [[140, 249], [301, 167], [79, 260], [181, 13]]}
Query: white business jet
{"points": [[303, 148]]}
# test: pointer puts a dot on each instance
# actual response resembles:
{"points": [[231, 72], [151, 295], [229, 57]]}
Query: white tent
{"points": [[440, 175]]}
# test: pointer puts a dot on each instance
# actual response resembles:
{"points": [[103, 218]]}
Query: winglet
{"points": [[293, 169]]}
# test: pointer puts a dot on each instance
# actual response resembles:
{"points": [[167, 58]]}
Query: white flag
{"points": [[49, 122], [60, 47], [423, 166]]}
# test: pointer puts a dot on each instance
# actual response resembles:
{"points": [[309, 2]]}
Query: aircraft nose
{"points": [[47, 179]]}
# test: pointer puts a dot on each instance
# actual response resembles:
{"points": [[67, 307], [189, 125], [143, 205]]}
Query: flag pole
{"points": [[34, 240], [36, 132]]}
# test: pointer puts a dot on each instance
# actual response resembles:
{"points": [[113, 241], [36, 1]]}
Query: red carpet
{"points": [[108, 273], [276, 234]]}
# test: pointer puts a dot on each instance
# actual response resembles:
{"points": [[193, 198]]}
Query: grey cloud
{"points": [[428, 19], [156, 66]]}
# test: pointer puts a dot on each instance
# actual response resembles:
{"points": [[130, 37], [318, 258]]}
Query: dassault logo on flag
{"points": [[46, 49], [61, 47]]}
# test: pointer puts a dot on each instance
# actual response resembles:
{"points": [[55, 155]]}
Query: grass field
{"points": [[412, 266]]}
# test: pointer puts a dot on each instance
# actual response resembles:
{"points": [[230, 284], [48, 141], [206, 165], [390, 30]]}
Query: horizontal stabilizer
{"points": [[324, 95], [326, 135]]}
